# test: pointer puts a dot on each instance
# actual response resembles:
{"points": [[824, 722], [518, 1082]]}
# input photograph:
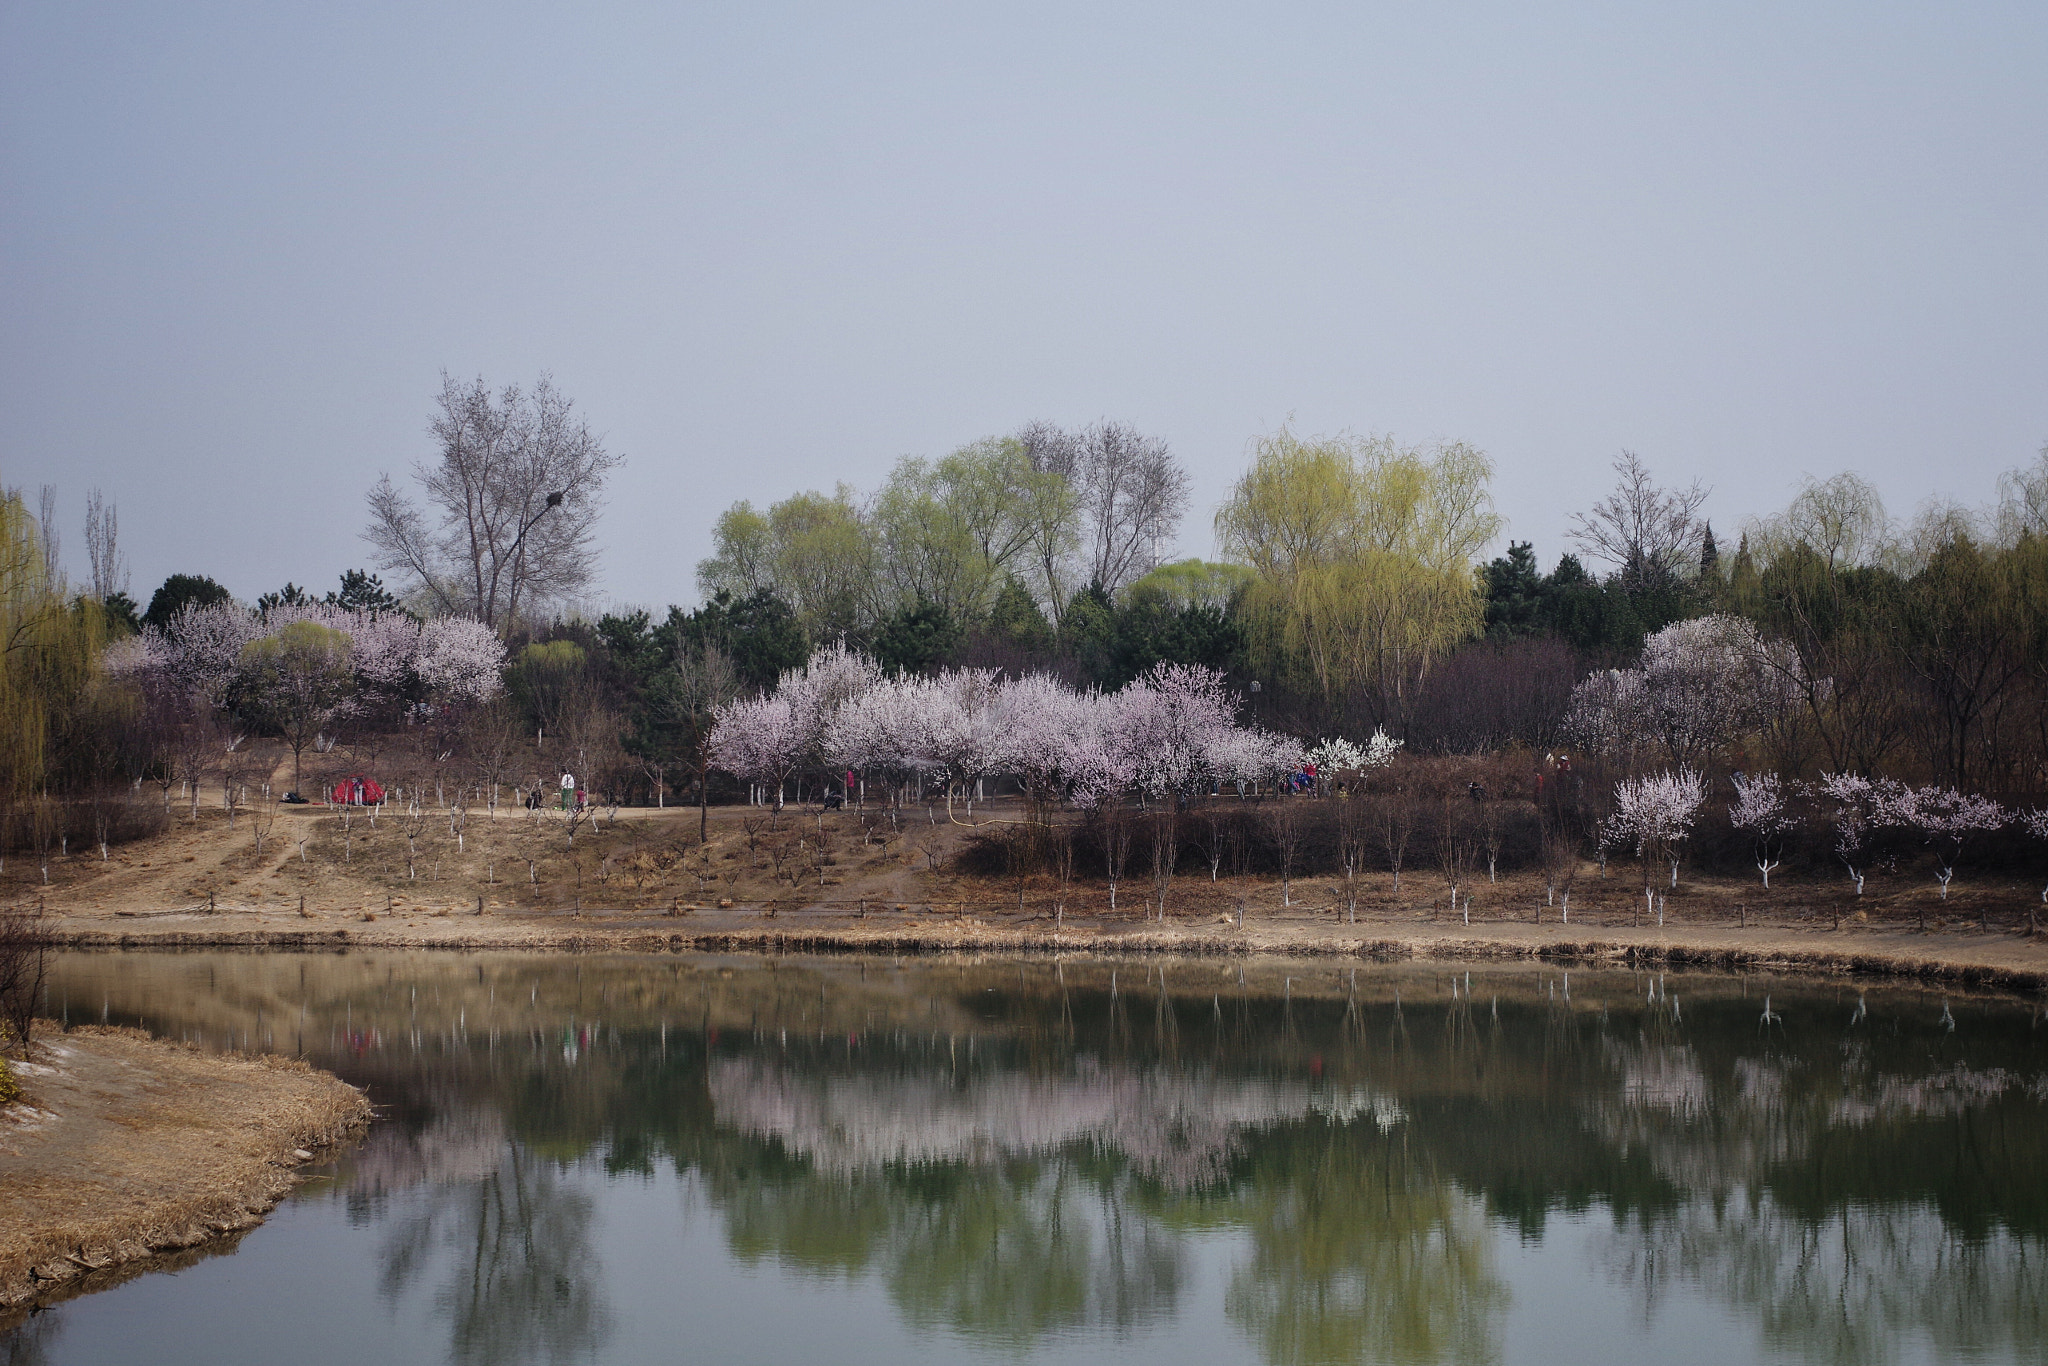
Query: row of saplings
{"points": [[1462, 829]]}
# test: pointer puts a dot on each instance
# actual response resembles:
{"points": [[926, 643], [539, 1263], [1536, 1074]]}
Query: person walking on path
{"points": [[568, 790]]}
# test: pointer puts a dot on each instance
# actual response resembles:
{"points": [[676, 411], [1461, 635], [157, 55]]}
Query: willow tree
{"points": [[951, 531], [49, 657], [1364, 552], [812, 549]]}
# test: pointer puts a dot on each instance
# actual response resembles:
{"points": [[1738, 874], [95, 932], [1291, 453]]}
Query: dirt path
{"points": [[126, 1150]]}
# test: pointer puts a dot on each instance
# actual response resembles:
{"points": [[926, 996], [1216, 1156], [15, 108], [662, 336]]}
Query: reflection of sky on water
{"points": [[1276, 1181]]}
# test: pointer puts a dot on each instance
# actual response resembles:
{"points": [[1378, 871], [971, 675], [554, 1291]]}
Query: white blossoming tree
{"points": [[1702, 684], [1759, 811], [1945, 819], [1653, 814], [1345, 759]]}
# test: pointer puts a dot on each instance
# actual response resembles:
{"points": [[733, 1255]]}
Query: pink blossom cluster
{"points": [[203, 652], [1655, 811], [1942, 816], [1760, 804], [1760, 810], [1170, 733], [1701, 685]]}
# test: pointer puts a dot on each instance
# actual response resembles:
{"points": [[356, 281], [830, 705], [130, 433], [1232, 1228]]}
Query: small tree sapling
{"points": [[1946, 818], [1759, 811], [1654, 814]]}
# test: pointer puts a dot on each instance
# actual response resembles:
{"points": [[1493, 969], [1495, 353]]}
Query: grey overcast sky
{"points": [[769, 246]]}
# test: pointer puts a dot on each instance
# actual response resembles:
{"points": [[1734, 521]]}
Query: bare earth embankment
{"points": [[904, 882], [130, 1154]]}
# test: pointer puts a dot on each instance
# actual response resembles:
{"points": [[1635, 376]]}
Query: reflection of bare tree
{"points": [[29, 1343], [521, 1274], [1866, 1285], [1013, 1258], [1358, 1256]]}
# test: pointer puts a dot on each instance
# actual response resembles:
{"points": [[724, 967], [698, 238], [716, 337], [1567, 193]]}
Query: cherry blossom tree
{"points": [[1862, 809], [1168, 735], [1946, 818], [458, 660], [1759, 810], [761, 739], [2036, 823], [1170, 720], [1342, 758], [1042, 717], [969, 743], [1702, 684], [1654, 814]]}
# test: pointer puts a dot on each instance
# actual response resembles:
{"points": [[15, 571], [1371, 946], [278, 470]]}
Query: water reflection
{"points": [[1018, 1153], [522, 1280]]}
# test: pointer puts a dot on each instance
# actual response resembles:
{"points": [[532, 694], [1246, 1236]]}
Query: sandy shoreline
{"points": [[130, 1154]]}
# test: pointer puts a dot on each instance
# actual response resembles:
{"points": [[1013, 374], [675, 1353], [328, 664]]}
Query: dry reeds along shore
{"points": [[126, 1151]]}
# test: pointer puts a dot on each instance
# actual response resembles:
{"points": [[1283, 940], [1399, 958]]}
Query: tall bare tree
{"points": [[53, 564], [1650, 534], [1133, 493], [689, 696], [510, 508], [1117, 495], [102, 547]]}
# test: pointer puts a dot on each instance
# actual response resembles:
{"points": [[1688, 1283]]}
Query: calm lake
{"points": [[842, 1160]]}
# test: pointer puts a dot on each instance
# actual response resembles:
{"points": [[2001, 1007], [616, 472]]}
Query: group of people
{"points": [[573, 797]]}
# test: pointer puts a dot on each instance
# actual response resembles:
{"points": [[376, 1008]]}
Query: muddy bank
{"points": [[129, 1153], [1986, 958]]}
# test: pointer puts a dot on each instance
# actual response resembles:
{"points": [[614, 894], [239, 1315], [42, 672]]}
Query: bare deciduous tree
{"points": [[1284, 828], [53, 572], [102, 547], [510, 504], [24, 963], [1133, 493], [702, 681], [1124, 494], [1648, 533]]}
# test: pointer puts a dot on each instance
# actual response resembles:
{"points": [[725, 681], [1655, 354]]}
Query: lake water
{"points": [[840, 1160]]}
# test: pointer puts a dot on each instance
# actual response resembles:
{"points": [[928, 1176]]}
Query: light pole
{"points": [[554, 501]]}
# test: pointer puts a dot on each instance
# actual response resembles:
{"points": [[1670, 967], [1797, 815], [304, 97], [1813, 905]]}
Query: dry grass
{"points": [[850, 879], [125, 1148]]}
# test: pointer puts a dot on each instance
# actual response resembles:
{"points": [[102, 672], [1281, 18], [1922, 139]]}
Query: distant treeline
{"points": [[1353, 595]]}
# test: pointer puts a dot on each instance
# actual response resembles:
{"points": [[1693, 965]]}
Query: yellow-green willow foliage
{"points": [[1364, 552], [49, 657]]}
